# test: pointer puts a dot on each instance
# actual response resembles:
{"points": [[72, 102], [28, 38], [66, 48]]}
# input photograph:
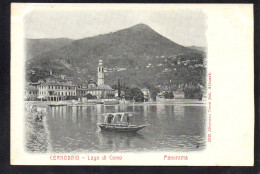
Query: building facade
{"points": [[56, 91], [31, 91], [146, 93], [100, 91], [178, 95]]}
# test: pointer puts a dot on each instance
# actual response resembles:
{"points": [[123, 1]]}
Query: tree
{"points": [[154, 91], [193, 92], [168, 95], [89, 96], [134, 94]]}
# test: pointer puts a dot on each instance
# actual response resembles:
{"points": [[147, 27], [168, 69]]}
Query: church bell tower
{"points": [[100, 80]]}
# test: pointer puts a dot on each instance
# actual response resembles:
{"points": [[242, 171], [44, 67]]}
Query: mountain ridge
{"points": [[35, 47], [131, 48]]}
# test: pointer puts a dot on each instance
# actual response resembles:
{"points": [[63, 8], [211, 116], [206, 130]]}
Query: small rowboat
{"points": [[119, 122]]}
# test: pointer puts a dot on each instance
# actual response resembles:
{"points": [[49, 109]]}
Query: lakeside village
{"points": [[56, 88]]}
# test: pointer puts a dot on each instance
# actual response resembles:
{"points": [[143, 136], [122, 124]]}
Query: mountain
{"points": [[131, 49], [198, 48], [138, 42], [36, 47]]}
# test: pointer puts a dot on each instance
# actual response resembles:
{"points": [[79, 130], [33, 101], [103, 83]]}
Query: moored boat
{"points": [[112, 102], [119, 122], [57, 104]]}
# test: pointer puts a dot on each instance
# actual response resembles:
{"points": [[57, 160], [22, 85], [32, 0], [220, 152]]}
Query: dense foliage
{"points": [[168, 95], [134, 94]]}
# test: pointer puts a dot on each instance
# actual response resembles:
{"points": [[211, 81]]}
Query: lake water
{"points": [[169, 128]]}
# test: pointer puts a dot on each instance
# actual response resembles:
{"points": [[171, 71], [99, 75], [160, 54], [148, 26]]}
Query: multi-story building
{"points": [[81, 91], [56, 91], [31, 91]]}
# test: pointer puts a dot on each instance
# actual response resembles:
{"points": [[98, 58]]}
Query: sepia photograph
{"points": [[131, 83], [100, 81]]}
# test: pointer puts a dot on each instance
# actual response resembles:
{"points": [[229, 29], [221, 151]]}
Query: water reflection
{"points": [[179, 112], [112, 141], [169, 128]]}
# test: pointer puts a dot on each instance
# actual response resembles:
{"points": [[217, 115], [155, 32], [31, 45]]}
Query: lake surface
{"points": [[170, 128]]}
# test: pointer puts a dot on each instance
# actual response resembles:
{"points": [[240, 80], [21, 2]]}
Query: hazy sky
{"points": [[185, 27]]}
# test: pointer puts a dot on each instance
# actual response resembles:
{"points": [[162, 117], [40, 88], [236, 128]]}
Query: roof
{"points": [[103, 86], [30, 88], [34, 83], [60, 84], [93, 89], [91, 82], [81, 89]]}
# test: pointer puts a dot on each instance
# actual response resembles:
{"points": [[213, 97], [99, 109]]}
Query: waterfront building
{"points": [[58, 88], [100, 91], [56, 91], [178, 94], [146, 93], [81, 91], [31, 91], [43, 92]]}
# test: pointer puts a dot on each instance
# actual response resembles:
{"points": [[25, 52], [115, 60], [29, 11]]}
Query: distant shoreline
{"points": [[167, 101]]}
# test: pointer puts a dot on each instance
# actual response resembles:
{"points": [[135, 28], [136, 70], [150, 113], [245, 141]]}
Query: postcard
{"points": [[132, 84]]}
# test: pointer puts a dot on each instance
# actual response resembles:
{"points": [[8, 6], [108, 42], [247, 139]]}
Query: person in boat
{"points": [[119, 116], [109, 119], [127, 119]]}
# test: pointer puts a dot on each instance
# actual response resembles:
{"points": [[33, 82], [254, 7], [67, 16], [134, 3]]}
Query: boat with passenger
{"points": [[119, 122]]}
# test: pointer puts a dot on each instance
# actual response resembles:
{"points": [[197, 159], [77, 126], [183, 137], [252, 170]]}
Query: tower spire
{"points": [[119, 88], [100, 80]]}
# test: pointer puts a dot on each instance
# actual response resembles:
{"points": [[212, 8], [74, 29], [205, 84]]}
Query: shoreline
{"points": [[167, 101], [36, 131]]}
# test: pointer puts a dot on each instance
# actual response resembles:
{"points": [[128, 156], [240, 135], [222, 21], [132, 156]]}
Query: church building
{"points": [[100, 89]]}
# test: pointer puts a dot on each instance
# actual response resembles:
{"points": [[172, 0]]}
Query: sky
{"points": [[185, 27]]}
